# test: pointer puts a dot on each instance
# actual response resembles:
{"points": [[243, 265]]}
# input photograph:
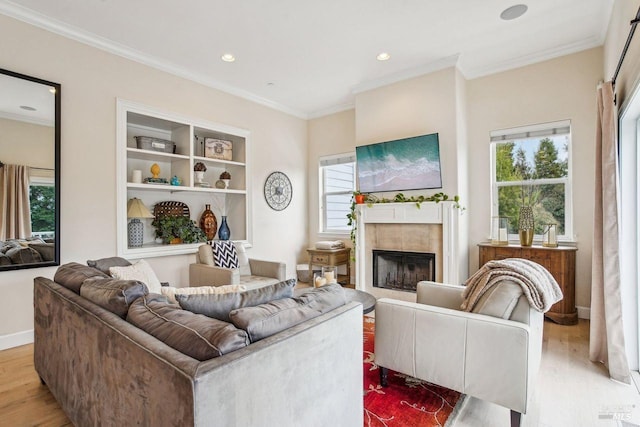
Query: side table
{"points": [[331, 258]]}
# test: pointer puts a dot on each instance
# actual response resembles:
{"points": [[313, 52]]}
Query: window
{"points": [[532, 166], [42, 201], [338, 182]]}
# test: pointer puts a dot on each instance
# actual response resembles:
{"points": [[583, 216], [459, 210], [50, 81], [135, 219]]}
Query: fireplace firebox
{"points": [[401, 270]]}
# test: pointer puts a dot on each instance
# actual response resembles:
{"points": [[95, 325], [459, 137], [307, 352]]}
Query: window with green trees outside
{"points": [[531, 166]]}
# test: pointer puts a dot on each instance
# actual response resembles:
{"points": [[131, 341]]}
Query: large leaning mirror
{"points": [[29, 172]]}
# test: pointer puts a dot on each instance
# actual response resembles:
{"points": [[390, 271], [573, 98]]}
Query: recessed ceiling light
{"points": [[227, 57], [513, 12], [26, 107], [383, 56]]}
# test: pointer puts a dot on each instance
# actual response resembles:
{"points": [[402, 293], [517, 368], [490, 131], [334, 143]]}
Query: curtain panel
{"points": [[15, 209], [606, 340]]}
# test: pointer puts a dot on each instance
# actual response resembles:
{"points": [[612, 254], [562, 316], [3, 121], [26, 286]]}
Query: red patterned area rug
{"points": [[406, 401]]}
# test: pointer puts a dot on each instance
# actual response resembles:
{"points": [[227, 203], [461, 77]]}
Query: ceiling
{"points": [[308, 58]]}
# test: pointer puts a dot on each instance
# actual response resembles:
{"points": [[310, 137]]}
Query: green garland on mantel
{"points": [[371, 199]]}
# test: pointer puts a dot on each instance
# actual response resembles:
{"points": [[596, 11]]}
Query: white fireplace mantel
{"points": [[443, 213]]}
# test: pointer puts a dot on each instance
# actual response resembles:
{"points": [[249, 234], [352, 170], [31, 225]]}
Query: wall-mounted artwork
{"points": [[403, 164]]}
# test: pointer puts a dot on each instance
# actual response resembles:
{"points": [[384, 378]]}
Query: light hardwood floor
{"points": [[571, 390]]}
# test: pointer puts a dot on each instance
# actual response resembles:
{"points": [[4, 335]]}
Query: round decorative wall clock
{"points": [[278, 191]]}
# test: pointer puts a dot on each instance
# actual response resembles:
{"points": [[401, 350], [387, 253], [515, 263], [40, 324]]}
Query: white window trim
{"points": [[531, 132], [328, 161]]}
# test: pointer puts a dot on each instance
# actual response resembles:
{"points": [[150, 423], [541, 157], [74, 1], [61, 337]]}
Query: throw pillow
{"points": [[23, 255], [272, 317], [218, 306], [499, 300], [195, 335], [112, 294], [72, 275], [104, 264], [170, 292], [141, 271], [224, 254], [46, 250]]}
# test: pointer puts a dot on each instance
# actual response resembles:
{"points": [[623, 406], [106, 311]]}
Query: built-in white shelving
{"points": [[188, 134]]}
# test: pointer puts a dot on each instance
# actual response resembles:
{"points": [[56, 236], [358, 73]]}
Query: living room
{"points": [[463, 111]]}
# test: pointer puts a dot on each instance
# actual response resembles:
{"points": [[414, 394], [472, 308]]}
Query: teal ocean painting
{"points": [[403, 164]]}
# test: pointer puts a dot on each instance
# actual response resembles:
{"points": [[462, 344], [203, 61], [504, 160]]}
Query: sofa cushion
{"points": [[195, 335], [113, 294], [5, 260], [104, 264], [141, 271], [272, 317], [499, 300], [46, 250], [218, 306], [23, 255], [224, 254], [170, 292], [72, 275]]}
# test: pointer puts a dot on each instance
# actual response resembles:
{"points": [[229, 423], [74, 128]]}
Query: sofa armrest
{"points": [[206, 275], [440, 294], [276, 270], [486, 357]]}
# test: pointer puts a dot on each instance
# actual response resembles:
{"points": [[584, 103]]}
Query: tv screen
{"points": [[403, 164]]}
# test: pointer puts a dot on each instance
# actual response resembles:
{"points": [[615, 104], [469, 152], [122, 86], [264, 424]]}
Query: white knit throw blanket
{"points": [[537, 283]]}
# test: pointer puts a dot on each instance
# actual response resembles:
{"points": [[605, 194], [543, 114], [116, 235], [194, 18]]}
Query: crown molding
{"points": [[536, 57], [331, 110], [22, 118], [42, 21], [407, 74]]}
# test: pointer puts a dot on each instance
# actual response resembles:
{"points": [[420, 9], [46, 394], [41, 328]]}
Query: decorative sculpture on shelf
{"points": [[155, 171]]}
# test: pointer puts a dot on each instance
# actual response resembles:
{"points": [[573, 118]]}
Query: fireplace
{"points": [[401, 270]]}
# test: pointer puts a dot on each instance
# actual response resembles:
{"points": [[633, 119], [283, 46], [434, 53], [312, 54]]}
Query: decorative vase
{"points": [[208, 222], [224, 233], [136, 233], [525, 225], [199, 176], [359, 199]]}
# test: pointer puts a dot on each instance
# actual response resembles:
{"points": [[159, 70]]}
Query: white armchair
{"points": [[486, 357], [250, 272]]}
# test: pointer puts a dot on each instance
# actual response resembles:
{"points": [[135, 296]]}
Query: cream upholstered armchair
{"points": [[491, 358], [226, 263]]}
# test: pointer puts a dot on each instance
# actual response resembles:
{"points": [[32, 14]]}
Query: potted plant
{"points": [[226, 178], [359, 197], [199, 170], [178, 229]]}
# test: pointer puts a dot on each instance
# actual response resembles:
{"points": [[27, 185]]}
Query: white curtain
{"points": [[15, 209], [606, 343]]}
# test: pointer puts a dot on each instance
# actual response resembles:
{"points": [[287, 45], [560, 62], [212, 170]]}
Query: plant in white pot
{"points": [[199, 170]]}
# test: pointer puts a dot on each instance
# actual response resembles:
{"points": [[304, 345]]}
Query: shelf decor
{"points": [[499, 230], [209, 223], [136, 210], [550, 236]]}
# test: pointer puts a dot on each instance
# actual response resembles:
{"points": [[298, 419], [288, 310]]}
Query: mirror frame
{"points": [[56, 172]]}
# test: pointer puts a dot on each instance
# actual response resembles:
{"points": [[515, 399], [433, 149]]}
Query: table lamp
{"points": [[136, 210]]}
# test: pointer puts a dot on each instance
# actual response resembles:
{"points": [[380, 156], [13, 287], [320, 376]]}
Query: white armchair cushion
{"points": [[499, 300]]}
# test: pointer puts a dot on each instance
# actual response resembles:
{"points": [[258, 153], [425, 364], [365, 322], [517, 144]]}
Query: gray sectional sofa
{"points": [[104, 370]]}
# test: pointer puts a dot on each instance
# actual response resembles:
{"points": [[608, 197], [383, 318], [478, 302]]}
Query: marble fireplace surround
{"points": [[404, 227]]}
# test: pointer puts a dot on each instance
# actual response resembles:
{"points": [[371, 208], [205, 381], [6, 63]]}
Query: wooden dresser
{"points": [[560, 262]]}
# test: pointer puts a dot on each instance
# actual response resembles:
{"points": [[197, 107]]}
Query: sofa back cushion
{"points": [[73, 274], [243, 259], [272, 317], [112, 294], [219, 306], [170, 292], [104, 264], [195, 335]]}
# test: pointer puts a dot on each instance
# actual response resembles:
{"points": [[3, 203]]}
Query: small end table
{"points": [[330, 258]]}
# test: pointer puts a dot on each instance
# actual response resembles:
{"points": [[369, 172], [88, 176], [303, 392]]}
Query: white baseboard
{"points": [[16, 340], [584, 312]]}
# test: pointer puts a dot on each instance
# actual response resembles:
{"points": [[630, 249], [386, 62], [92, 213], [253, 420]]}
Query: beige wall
{"points": [[91, 81], [328, 135], [23, 143], [559, 89], [623, 12]]}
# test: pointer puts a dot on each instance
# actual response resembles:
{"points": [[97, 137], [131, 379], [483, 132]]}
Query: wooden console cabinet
{"points": [[331, 258], [560, 262]]}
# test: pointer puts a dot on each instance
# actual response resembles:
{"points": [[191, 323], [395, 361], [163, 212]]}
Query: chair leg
{"points": [[515, 418], [384, 372]]}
